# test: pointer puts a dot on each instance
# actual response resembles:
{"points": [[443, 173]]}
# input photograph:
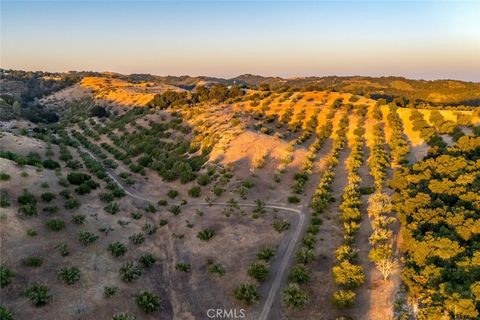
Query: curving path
{"points": [[279, 267]]}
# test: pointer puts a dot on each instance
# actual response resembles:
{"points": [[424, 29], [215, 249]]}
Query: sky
{"points": [[415, 39]]}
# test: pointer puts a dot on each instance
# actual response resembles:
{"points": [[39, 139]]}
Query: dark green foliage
{"points": [[33, 261], [149, 228], [4, 176], [77, 178], [185, 267], [217, 268], [117, 249], [27, 198], [150, 208], [69, 275], [280, 225], [72, 203], [194, 192], [137, 238], [4, 202], [175, 210], [147, 260], [136, 215], [294, 297], [148, 301], [47, 196], [87, 238], [50, 164], [247, 293], [55, 224], [258, 270], [206, 234], [299, 274], [112, 208], [109, 292], [5, 276], [31, 233], [293, 199], [130, 271], [124, 316], [38, 293], [172, 193], [266, 254], [63, 249], [78, 219], [5, 313]]}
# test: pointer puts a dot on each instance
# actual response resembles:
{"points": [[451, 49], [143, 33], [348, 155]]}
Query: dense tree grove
{"points": [[438, 204], [347, 274], [301, 178], [399, 148]]}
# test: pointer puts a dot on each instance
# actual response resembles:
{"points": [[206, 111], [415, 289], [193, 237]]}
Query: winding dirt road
{"points": [[270, 307]]}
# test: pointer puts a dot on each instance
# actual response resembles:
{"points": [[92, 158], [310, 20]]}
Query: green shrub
{"points": [[203, 179], [5, 313], [78, 219], [247, 293], [217, 268], [38, 293], [258, 270], [69, 275], [206, 234], [162, 202], [55, 224], [280, 225], [106, 197], [175, 210], [137, 238], [109, 291], [33, 262], [148, 301], [130, 271], [343, 298], [72, 203], [50, 164], [4, 202], [147, 260], [163, 222], [136, 215], [112, 208], [299, 274], [27, 198], [31, 233], [305, 255], [77, 178], [294, 297], [28, 210], [117, 249], [47, 196], [293, 199], [194, 192], [4, 176], [266, 254], [5, 276], [87, 238], [124, 316], [172, 193], [185, 267], [150, 208], [63, 249], [149, 228]]}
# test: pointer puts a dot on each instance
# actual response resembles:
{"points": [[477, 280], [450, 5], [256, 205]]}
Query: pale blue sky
{"points": [[429, 39]]}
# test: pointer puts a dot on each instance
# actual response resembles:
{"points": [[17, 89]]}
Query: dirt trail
{"points": [[278, 267]]}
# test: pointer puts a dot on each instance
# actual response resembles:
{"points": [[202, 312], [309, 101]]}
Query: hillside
{"points": [[145, 199]]}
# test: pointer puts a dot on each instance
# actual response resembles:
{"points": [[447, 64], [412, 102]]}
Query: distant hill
{"points": [[31, 85]]}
